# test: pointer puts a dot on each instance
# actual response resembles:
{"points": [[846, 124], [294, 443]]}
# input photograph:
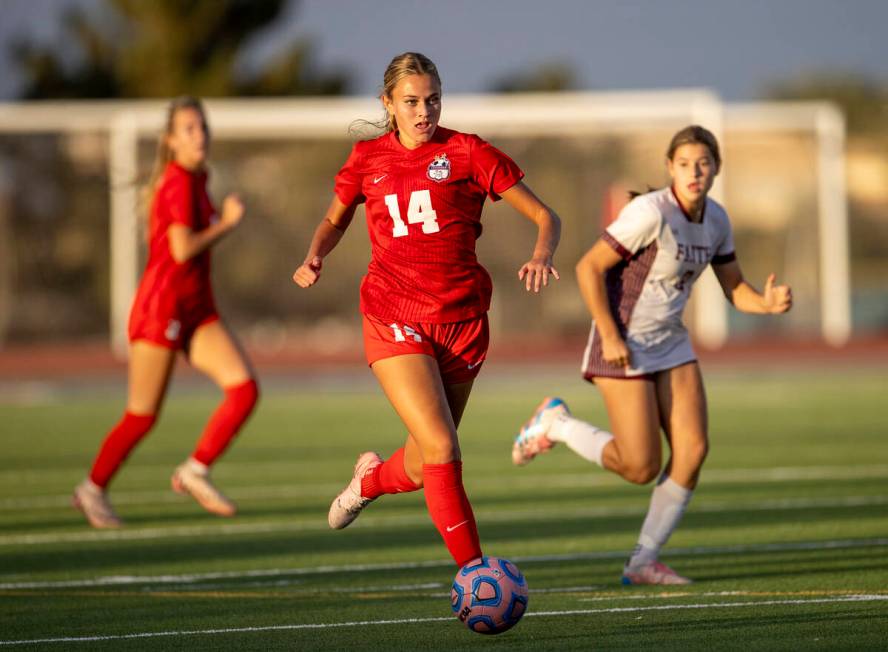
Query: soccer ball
{"points": [[489, 595]]}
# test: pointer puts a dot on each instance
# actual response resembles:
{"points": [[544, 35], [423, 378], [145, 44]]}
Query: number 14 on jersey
{"points": [[419, 210]]}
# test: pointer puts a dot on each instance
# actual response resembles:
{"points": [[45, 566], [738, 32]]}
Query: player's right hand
{"points": [[308, 273], [615, 352], [232, 211]]}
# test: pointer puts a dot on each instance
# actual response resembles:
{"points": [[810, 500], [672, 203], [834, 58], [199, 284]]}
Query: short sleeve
{"points": [[348, 182], [493, 170], [178, 202], [636, 227], [724, 251]]}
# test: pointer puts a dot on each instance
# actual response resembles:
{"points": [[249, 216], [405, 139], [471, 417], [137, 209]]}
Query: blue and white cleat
{"points": [[533, 438]]}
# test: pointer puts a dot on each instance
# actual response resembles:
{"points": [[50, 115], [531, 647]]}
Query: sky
{"points": [[735, 47]]}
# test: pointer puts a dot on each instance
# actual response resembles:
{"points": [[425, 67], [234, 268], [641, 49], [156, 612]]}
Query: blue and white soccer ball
{"points": [[489, 595]]}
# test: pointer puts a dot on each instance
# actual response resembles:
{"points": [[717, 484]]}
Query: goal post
{"points": [[637, 121], [538, 114], [826, 121]]}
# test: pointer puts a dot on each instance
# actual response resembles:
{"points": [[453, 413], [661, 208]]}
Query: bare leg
{"points": [[682, 402], [150, 366], [414, 387], [635, 452], [457, 398], [682, 407], [216, 352]]}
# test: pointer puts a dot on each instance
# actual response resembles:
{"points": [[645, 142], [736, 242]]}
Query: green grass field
{"points": [[787, 535]]}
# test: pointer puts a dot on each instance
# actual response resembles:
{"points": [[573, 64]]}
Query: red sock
{"points": [[390, 477], [226, 421], [118, 445], [450, 510]]}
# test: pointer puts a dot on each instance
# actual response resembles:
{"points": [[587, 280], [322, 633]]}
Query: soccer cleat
{"points": [[533, 438], [93, 502], [349, 503], [189, 482], [653, 573]]}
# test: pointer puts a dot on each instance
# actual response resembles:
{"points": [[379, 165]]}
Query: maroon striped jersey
{"points": [[423, 211]]}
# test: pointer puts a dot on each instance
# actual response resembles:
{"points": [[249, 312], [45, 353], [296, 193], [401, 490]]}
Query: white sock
{"points": [[582, 438], [91, 487], [668, 503], [198, 467]]}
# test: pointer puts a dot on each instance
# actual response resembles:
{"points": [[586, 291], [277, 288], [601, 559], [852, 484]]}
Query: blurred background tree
{"points": [[548, 77], [863, 100], [163, 48]]}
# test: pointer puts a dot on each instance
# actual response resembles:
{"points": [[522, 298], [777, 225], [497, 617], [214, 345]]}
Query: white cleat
{"points": [[93, 502], [533, 438], [190, 482], [653, 573], [349, 503]]}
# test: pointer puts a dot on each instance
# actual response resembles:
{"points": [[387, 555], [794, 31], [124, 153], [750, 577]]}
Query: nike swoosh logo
{"points": [[472, 366], [378, 179], [451, 528]]}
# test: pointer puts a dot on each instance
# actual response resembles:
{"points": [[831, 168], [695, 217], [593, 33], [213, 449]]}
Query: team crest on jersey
{"points": [[439, 169]]}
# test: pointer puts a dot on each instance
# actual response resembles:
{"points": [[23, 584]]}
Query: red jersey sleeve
{"points": [[492, 169], [348, 182], [177, 202]]}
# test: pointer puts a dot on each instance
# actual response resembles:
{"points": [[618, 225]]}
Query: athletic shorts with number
{"points": [[459, 347], [170, 326]]}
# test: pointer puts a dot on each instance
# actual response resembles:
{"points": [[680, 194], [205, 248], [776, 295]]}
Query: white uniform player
{"points": [[663, 253], [636, 280]]}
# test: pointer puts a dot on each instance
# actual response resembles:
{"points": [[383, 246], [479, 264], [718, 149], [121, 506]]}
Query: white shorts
{"points": [[651, 352]]}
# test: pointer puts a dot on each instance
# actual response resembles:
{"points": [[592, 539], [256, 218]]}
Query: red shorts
{"points": [[459, 347], [174, 331]]}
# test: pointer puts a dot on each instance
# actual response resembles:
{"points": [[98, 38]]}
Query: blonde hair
{"points": [[695, 135], [403, 65], [164, 154]]}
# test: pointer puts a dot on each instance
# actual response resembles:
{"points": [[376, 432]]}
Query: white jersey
{"points": [[663, 252]]}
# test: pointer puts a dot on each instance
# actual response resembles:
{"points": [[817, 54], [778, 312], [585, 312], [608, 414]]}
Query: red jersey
{"points": [[169, 289], [423, 210]]}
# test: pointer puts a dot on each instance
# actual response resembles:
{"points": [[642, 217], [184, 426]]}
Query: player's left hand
{"points": [[232, 210], [535, 273], [309, 272], [777, 298]]}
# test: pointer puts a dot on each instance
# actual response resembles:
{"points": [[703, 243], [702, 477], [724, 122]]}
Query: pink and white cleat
{"points": [[653, 573], [533, 438], [349, 503], [92, 500], [189, 479]]}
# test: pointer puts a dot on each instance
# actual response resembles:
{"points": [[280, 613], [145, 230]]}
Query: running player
{"points": [[425, 296], [174, 310], [636, 280]]}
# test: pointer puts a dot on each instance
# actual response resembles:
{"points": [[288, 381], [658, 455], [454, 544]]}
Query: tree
{"points": [[547, 77], [163, 48], [864, 102]]}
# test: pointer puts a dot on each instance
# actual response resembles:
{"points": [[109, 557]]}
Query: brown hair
{"points": [[403, 65], [696, 135], [164, 154]]}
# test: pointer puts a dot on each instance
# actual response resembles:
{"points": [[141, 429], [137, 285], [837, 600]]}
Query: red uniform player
{"points": [[174, 310], [425, 296]]}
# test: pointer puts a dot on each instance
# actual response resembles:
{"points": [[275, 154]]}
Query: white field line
{"points": [[575, 480], [195, 578], [498, 516], [407, 621]]}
